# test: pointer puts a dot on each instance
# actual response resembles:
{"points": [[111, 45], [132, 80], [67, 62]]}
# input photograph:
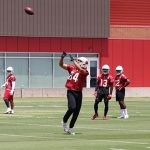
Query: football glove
{"points": [[71, 57], [63, 54], [109, 96]]}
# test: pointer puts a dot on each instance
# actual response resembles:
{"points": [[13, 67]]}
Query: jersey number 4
{"points": [[74, 77]]}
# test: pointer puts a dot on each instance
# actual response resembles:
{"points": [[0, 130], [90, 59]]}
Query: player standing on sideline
{"points": [[77, 76], [121, 81], [103, 90], [9, 90]]}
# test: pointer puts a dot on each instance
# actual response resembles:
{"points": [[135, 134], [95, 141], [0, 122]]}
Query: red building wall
{"points": [[129, 12], [133, 55], [129, 43], [30, 44]]}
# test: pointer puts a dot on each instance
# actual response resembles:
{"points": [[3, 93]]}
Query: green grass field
{"points": [[36, 126]]}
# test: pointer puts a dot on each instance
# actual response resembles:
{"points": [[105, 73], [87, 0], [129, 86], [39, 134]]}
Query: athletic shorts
{"points": [[7, 95], [120, 94], [102, 93]]}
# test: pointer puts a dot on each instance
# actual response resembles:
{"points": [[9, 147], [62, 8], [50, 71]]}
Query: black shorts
{"points": [[120, 94], [102, 93]]}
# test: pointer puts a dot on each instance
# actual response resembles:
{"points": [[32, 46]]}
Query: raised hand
{"points": [[71, 57], [63, 54]]}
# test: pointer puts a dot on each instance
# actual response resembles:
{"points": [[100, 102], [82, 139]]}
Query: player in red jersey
{"points": [[9, 91], [121, 81], [77, 76], [103, 90]]}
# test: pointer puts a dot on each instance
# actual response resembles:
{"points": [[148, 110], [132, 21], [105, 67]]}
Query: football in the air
{"points": [[29, 10]]}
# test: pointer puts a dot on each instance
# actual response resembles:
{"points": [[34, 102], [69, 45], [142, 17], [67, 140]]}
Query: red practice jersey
{"points": [[105, 80], [76, 79], [10, 79], [120, 81]]}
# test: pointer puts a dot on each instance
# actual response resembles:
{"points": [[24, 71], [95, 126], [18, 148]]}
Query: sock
{"points": [[125, 112], [122, 112]]}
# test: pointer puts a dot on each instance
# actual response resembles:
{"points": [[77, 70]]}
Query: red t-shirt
{"points": [[76, 79], [10, 78], [105, 80], [120, 81]]}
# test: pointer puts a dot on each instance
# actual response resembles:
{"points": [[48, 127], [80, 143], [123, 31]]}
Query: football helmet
{"points": [[119, 70], [105, 69], [10, 70], [82, 61]]}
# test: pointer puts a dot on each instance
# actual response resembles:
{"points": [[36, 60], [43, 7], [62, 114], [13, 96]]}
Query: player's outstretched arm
{"points": [[3, 85], [61, 62]]}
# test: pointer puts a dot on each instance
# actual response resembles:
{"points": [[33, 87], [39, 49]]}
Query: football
{"points": [[29, 10]]}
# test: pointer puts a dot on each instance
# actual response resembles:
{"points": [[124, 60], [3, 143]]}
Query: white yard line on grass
{"points": [[25, 106], [55, 106], [113, 141], [88, 128], [94, 128], [51, 106], [30, 136], [24, 136], [116, 149], [125, 142], [38, 137], [19, 116]]}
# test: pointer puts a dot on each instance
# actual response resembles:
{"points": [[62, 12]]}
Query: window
{"points": [[41, 70], [40, 73], [2, 70], [21, 70]]}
